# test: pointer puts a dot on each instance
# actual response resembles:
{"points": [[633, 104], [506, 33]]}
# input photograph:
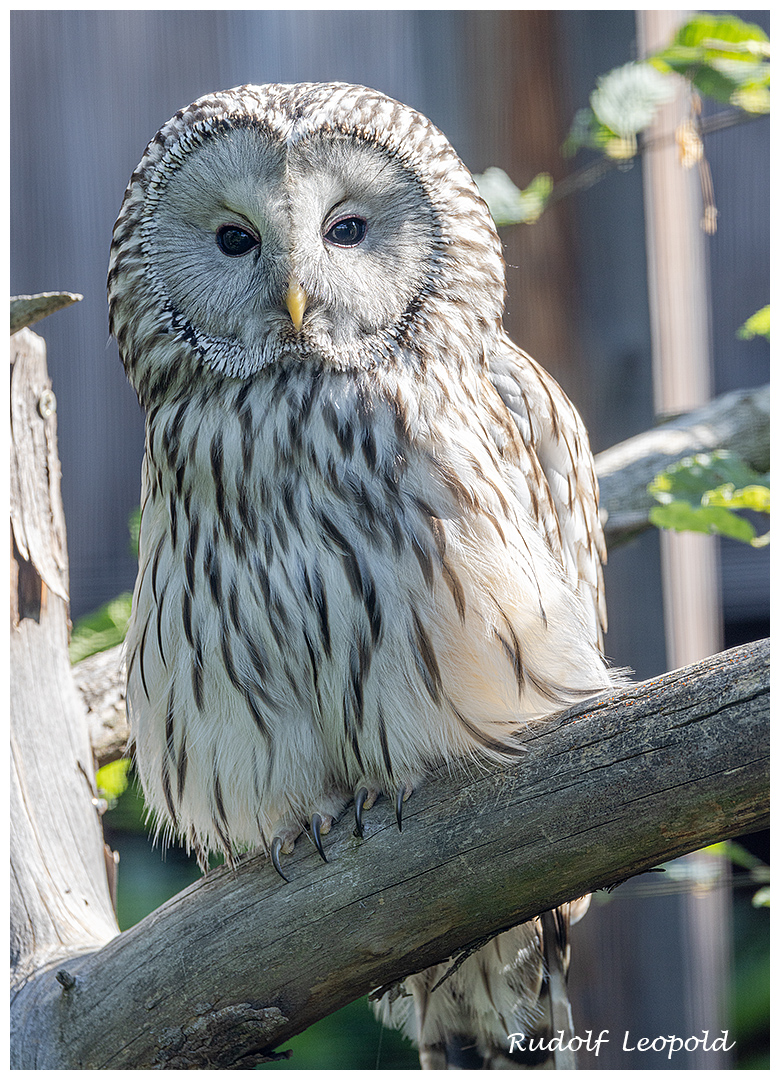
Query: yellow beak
{"points": [[295, 302]]}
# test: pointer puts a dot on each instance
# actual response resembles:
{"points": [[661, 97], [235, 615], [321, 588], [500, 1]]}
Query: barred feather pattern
{"points": [[461, 1014], [369, 545]]}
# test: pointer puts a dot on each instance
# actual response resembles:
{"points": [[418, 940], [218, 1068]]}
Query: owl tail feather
{"points": [[555, 933], [448, 1030]]}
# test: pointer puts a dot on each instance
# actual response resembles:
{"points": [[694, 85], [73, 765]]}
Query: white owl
{"points": [[370, 539]]}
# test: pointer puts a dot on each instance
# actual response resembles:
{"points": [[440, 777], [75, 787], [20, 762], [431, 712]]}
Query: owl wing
{"points": [[566, 504], [518, 980]]}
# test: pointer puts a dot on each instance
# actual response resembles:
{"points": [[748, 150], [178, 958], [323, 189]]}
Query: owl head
{"points": [[322, 223]]}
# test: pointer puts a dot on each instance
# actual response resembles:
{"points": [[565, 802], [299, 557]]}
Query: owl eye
{"points": [[349, 232], [232, 240]]}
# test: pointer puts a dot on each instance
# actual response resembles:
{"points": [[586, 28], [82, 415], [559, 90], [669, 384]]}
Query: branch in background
{"points": [[26, 310], [737, 421], [720, 56], [588, 175], [101, 681], [239, 962]]}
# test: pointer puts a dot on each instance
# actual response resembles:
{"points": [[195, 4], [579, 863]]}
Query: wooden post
{"points": [[679, 311]]}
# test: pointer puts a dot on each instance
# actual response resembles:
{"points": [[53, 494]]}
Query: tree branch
{"points": [[588, 175], [101, 681], [737, 421], [60, 902], [29, 309], [239, 962]]}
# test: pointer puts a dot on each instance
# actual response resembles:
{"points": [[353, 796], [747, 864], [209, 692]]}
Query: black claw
{"points": [[360, 799], [316, 825], [276, 847], [399, 806]]}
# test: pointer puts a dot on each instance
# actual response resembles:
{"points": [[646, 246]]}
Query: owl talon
{"points": [[276, 847], [316, 829], [399, 806], [360, 800]]}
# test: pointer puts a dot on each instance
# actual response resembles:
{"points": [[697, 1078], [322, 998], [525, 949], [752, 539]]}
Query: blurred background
{"points": [[88, 91]]}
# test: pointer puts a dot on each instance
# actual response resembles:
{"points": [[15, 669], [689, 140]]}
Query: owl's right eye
{"points": [[232, 240]]}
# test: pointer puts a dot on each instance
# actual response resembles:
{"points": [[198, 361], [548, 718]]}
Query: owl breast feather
{"points": [[331, 592]]}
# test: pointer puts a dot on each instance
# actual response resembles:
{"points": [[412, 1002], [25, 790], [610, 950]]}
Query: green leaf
{"points": [[692, 476], [753, 497], [738, 854], [102, 629], [724, 58], [626, 100], [702, 493], [507, 203], [112, 779], [746, 860], [682, 517], [134, 525], [106, 627], [752, 99], [583, 132], [719, 31], [713, 83], [756, 325]]}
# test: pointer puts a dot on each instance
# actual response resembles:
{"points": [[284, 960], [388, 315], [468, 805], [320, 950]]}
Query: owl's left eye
{"points": [[349, 232], [232, 240]]}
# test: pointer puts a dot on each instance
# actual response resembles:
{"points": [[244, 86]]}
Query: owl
{"points": [[369, 537]]}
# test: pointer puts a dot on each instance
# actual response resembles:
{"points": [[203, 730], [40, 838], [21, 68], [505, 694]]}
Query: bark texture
{"points": [[60, 902]]}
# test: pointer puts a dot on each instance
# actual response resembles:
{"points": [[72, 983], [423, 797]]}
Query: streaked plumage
{"points": [[370, 538], [461, 1014]]}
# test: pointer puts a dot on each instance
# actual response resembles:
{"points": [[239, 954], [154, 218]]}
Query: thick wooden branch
{"points": [[239, 962], [101, 681]]}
